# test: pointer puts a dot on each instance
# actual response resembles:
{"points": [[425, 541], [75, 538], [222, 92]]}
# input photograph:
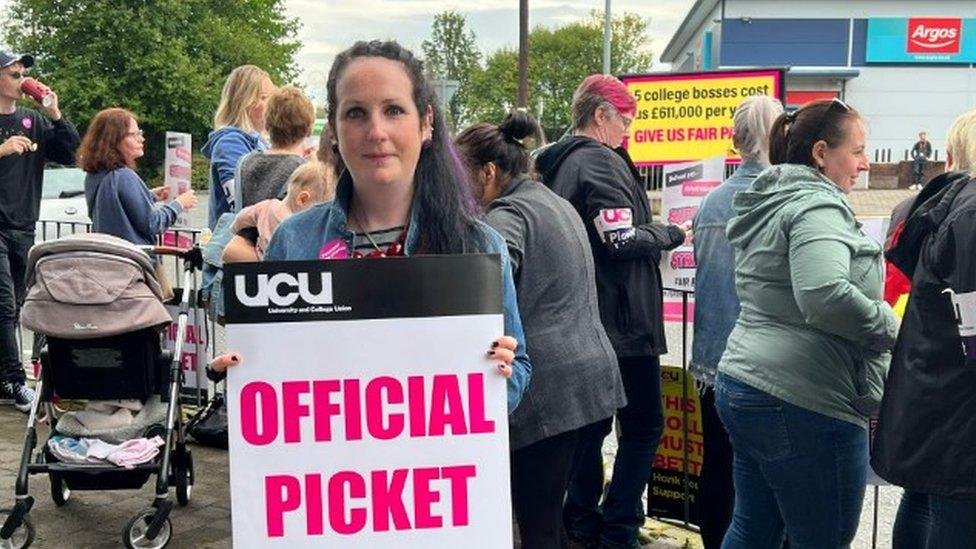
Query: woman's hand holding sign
{"points": [[503, 349], [222, 362]]}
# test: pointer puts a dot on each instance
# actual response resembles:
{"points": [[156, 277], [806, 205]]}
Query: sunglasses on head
{"points": [[836, 106], [836, 103]]}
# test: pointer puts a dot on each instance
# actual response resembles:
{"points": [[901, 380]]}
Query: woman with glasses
{"points": [[804, 364], [595, 174], [119, 202], [575, 381], [403, 191]]}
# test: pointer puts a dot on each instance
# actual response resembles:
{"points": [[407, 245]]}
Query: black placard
{"points": [[362, 289]]}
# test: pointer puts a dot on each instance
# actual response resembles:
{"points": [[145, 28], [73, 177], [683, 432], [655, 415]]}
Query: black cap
{"points": [[7, 58]]}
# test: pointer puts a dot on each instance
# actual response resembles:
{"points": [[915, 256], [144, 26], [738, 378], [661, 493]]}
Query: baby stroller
{"points": [[97, 299]]}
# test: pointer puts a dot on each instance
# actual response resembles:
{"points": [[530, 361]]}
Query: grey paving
{"points": [[96, 519]]}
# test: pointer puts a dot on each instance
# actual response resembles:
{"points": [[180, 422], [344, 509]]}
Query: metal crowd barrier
{"points": [[652, 177], [686, 480]]}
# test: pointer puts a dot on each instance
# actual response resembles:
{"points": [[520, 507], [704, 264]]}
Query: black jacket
{"points": [[602, 185], [22, 175], [926, 436]]}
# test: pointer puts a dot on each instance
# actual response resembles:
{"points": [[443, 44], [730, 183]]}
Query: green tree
{"points": [[494, 88], [558, 60], [451, 54], [165, 60]]}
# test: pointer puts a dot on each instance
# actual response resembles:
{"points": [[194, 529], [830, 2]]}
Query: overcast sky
{"points": [[329, 26]]}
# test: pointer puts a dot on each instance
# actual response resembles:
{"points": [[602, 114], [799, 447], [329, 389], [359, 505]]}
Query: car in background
{"points": [[63, 207]]}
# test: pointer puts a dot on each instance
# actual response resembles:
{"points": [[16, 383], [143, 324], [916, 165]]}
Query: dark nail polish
{"points": [[494, 344]]}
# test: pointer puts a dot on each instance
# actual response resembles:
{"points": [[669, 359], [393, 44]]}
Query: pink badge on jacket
{"points": [[334, 249], [26, 123]]}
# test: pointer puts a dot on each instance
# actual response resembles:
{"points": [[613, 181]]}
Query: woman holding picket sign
{"points": [[403, 191]]}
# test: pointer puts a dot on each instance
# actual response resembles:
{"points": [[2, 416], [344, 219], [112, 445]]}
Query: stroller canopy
{"points": [[86, 286]]}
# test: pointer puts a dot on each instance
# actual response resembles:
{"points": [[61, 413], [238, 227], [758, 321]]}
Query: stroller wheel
{"points": [[60, 492], [134, 536], [183, 478], [22, 537]]}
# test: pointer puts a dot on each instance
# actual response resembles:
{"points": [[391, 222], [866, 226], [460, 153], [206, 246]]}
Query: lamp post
{"points": [[523, 61], [606, 38]]}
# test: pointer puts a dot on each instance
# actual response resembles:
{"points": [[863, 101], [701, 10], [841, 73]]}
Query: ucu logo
{"points": [[619, 215], [283, 289]]}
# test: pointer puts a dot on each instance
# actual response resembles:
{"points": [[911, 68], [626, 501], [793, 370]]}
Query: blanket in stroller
{"points": [[81, 424]]}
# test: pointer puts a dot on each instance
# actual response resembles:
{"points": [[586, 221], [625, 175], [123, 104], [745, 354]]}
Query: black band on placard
{"points": [[362, 289]]}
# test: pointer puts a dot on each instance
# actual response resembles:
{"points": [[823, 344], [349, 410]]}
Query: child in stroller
{"points": [[97, 300]]}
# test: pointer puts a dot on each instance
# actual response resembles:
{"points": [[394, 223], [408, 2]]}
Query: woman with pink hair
{"points": [[592, 172]]}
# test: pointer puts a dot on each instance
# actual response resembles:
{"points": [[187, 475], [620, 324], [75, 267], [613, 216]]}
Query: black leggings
{"points": [[540, 474]]}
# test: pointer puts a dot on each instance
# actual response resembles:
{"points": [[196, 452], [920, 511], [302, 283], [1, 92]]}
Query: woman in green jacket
{"points": [[805, 363]]}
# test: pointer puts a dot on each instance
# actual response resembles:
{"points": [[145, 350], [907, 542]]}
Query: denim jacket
{"points": [[716, 303], [301, 237]]}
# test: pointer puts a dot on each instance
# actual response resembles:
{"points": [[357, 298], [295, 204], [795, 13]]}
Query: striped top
{"points": [[384, 239]]}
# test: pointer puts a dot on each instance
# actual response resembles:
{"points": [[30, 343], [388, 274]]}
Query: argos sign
{"points": [[921, 40], [934, 35]]}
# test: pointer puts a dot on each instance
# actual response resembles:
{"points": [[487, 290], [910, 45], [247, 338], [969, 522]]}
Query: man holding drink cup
{"points": [[27, 140]]}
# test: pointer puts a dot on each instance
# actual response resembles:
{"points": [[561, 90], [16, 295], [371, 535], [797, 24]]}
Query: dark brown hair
{"points": [[99, 149], [501, 145], [442, 202], [793, 135]]}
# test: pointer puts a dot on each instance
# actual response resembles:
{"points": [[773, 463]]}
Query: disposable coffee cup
{"points": [[39, 92]]}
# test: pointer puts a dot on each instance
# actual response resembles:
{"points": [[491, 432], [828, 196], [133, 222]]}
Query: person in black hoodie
{"points": [[27, 140], [926, 432], [592, 172]]}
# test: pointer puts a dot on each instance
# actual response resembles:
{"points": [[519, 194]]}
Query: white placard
{"points": [[177, 167], [193, 355], [362, 433], [685, 186]]}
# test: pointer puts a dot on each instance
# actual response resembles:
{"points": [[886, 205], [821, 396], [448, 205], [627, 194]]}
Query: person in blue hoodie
{"points": [[118, 200], [238, 125]]}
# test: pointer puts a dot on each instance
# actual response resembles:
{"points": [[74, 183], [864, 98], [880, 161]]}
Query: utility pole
{"points": [[523, 62], [606, 39]]}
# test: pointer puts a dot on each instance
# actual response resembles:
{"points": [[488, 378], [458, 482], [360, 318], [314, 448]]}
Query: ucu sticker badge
{"points": [[613, 219], [616, 226], [27, 123], [334, 249], [269, 290], [964, 307]]}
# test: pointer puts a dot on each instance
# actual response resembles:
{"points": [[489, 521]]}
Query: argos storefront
{"points": [[905, 65], [921, 40]]}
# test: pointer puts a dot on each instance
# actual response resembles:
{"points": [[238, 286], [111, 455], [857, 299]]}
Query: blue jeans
{"points": [[641, 423], [796, 472], [927, 521], [912, 522], [14, 245]]}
